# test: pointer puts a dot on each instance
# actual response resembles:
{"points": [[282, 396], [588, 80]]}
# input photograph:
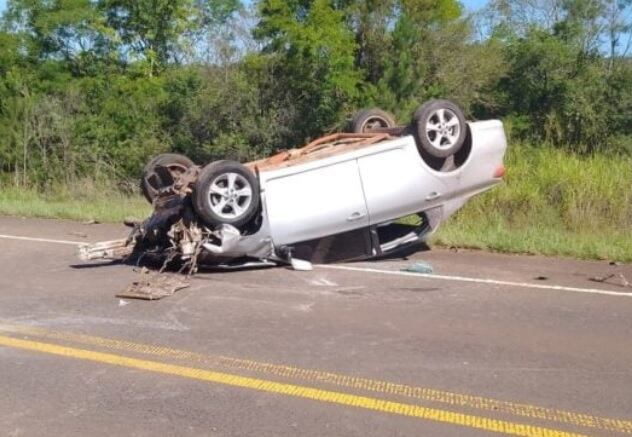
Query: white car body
{"points": [[334, 206], [356, 192]]}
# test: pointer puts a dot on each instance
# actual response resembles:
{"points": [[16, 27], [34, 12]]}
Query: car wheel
{"points": [[368, 119], [226, 192], [152, 180], [440, 128]]}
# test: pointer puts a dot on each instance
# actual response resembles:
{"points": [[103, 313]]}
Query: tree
{"points": [[9, 55], [618, 26], [372, 22], [431, 48], [312, 53], [152, 30], [557, 81], [58, 29]]}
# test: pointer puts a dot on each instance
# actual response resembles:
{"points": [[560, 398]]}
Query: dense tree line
{"points": [[92, 88]]}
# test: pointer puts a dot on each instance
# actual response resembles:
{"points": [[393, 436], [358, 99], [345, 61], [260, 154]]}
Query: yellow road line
{"points": [[333, 397], [310, 375]]}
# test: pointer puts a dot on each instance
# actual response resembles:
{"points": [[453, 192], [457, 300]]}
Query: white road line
{"points": [[42, 240], [481, 281], [396, 273]]}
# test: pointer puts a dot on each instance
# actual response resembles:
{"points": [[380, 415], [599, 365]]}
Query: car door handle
{"points": [[355, 216], [433, 196]]}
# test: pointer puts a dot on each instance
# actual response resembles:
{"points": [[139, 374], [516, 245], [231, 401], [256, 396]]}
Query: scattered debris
{"points": [[305, 307], [78, 234], [91, 222], [122, 303], [322, 282], [615, 263], [131, 222], [541, 278], [604, 279], [114, 250], [351, 288], [419, 267], [301, 265], [154, 286]]}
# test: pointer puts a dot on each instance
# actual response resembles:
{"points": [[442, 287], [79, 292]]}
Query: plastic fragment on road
{"points": [[301, 265], [419, 267], [154, 286]]}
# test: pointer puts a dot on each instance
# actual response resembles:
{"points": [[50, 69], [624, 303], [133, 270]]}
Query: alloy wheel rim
{"points": [[443, 128], [229, 195]]}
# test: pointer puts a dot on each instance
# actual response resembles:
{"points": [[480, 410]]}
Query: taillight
{"points": [[500, 172]]}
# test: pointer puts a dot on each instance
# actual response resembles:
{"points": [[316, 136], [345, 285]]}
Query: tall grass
{"points": [[82, 201], [552, 203]]}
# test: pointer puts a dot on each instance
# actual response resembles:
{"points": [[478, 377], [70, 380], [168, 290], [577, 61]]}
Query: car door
{"points": [[397, 183], [307, 203]]}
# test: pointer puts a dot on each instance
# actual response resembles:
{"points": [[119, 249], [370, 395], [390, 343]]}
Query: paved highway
{"points": [[488, 344]]}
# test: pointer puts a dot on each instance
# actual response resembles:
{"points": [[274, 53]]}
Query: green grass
{"points": [[73, 204], [553, 203], [499, 236]]}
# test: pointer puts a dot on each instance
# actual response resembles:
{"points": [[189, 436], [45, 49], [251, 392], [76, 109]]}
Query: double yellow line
{"points": [[335, 397]]}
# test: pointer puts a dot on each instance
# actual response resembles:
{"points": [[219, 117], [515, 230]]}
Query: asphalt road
{"points": [[481, 347]]}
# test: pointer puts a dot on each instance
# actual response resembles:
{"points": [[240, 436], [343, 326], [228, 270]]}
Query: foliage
{"points": [[561, 84], [552, 203], [91, 89], [309, 46], [80, 201]]}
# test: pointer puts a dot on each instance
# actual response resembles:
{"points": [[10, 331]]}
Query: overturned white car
{"points": [[338, 198]]}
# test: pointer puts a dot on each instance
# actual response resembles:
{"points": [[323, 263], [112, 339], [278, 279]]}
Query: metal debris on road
{"points": [[419, 267], [113, 250], [154, 285], [605, 279]]}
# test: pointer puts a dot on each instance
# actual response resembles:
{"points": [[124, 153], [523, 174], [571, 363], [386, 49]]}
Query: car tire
{"points": [[440, 128], [367, 119], [151, 181], [226, 192]]}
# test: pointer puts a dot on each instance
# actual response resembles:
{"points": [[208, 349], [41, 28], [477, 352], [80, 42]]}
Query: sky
{"points": [[469, 4]]}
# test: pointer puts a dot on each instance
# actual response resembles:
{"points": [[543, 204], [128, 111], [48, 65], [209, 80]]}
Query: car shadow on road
{"points": [[94, 265]]}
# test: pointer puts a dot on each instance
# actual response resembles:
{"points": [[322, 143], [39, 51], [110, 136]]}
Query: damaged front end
{"points": [[175, 235]]}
